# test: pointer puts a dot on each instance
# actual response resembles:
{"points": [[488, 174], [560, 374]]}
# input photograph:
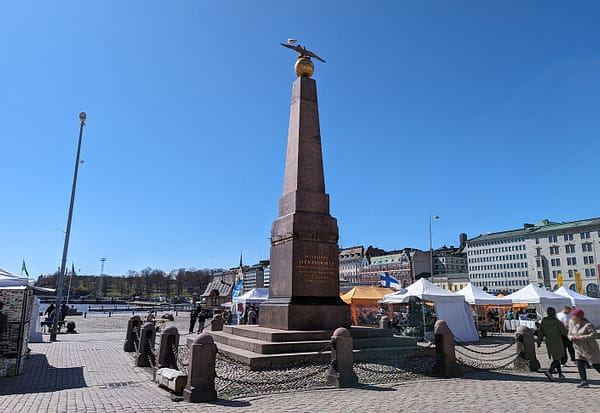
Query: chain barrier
{"points": [[470, 357], [234, 379], [395, 368], [482, 366], [497, 351], [485, 360]]}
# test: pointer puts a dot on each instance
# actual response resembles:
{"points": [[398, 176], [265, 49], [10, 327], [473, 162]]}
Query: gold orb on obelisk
{"points": [[304, 66]]}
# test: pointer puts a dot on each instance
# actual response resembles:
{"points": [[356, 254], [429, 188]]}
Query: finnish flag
{"points": [[389, 281]]}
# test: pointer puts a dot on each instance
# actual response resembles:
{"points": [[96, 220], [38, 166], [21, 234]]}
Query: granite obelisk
{"points": [[304, 283]]}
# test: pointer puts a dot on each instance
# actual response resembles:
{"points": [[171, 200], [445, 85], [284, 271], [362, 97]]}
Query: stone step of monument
{"points": [[272, 335], [281, 347], [266, 347], [256, 361]]}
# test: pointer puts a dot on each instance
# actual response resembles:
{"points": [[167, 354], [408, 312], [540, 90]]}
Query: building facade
{"points": [[257, 276], [351, 264], [499, 261], [546, 254], [567, 250], [396, 264]]}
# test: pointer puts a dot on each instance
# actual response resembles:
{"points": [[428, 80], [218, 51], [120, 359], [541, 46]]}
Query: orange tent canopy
{"points": [[366, 295]]}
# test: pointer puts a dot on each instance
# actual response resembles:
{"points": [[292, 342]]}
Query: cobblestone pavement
{"points": [[89, 372]]}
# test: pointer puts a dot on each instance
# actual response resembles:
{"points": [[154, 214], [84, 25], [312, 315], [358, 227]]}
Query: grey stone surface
{"points": [[89, 372]]}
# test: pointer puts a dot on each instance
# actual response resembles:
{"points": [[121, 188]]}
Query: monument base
{"points": [[305, 316], [265, 348]]}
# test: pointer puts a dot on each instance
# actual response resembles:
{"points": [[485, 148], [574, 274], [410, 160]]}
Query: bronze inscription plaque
{"points": [[317, 268]]}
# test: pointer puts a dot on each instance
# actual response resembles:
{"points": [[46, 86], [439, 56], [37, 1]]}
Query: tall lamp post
{"points": [[432, 217], [61, 276]]}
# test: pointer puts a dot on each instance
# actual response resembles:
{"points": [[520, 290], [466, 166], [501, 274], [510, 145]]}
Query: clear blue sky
{"points": [[487, 112]]}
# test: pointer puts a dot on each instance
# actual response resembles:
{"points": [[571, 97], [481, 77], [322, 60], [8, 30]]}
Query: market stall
{"points": [[15, 320], [536, 298], [589, 305], [487, 307], [254, 297], [448, 306], [364, 304]]}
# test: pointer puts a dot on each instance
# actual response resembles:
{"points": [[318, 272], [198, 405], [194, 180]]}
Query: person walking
{"points": [[193, 318], [583, 335], [553, 330], [201, 321], [49, 310], [565, 317]]}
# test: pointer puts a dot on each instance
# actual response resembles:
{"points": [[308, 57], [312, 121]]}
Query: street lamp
{"points": [[61, 276], [432, 217]]}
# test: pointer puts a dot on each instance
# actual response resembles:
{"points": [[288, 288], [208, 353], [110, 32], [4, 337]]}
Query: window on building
{"points": [[588, 259], [592, 272], [586, 247], [568, 237], [570, 272], [552, 238], [570, 249], [585, 235], [571, 261], [554, 250], [537, 241]]}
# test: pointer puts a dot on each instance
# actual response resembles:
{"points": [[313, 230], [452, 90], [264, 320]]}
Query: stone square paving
{"points": [[89, 372]]}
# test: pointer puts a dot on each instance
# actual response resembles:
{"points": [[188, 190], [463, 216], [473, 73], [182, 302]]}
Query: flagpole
{"points": [[69, 289], [61, 276]]}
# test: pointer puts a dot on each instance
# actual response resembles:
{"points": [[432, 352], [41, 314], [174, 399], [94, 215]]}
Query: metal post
{"points": [[61, 276], [431, 217]]}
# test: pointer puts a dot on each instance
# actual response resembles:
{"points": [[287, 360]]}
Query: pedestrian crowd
{"points": [[569, 332]]}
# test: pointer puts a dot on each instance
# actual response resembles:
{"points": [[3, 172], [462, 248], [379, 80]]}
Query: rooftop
{"points": [[548, 226]]}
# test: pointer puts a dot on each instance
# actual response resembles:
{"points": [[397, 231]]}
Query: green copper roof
{"points": [[548, 226]]}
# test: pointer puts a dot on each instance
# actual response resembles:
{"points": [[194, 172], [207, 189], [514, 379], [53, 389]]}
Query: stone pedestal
{"points": [[341, 372], [304, 285], [526, 358], [200, 385], [445, 353]]}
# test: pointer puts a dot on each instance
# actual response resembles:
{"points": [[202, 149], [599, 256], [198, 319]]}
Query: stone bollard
{"points": [[341, 372], [145, 356], [526, 359], [385, 323], [131, 339], [217, 323], [200, 385], [167, 351], [445, 356]]}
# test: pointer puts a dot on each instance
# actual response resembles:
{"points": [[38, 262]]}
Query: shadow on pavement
{"points": [[231, 403], [523, 377], [40, 377], [373, 388]]}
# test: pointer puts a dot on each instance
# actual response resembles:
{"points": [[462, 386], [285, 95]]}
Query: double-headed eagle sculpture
{"points": [[302, 51], [304, 66]]}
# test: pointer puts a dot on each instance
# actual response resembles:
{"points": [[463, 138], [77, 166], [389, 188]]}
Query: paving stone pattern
{"points": [[89, 372]]}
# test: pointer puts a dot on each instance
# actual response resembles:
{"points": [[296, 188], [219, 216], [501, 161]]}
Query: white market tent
{"points": [[449, 307], [589, 305], [476, 296], [541, 298], [9, 280], [254, 296]]}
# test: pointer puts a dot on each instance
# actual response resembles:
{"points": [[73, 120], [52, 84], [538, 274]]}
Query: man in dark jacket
{"points": [[553, 330], [193, 317], [201, 320]]}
